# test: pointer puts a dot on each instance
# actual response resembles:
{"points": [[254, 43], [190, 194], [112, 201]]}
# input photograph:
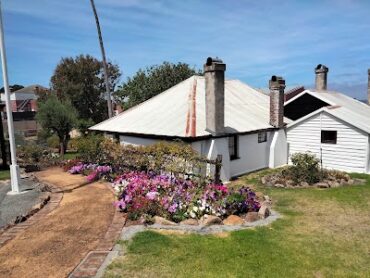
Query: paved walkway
{"points": [[60, 239], [13, 206]]}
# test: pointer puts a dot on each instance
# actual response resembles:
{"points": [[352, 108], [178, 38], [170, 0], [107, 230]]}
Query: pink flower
{"points": [[152, 195]]}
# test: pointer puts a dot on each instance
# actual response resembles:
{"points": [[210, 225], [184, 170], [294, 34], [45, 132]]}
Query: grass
{"points": [[71, 155], [324, 233], [4, 174]]}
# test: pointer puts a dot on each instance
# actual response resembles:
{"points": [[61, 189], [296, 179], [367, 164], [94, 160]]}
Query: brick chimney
{"points": [[214, 73], [368, 86], [277, 86], [321, 77]]}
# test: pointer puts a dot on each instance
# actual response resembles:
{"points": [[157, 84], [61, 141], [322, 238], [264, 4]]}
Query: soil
{"points": [[56, 244]]}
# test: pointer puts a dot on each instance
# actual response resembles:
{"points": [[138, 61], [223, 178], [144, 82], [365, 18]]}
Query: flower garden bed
{"points": [[163, 199]]}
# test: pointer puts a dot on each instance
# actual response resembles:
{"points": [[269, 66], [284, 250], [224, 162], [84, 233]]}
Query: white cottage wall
{"points": [[252, 155], [349, 154]]}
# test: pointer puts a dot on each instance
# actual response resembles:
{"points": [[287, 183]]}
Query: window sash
{"points": [[262, 136]]}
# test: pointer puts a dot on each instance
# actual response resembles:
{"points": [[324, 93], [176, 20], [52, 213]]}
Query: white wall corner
{"points": [[278, 149], [220, 146]]}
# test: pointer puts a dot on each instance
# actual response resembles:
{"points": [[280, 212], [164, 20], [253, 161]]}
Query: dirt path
{"points": [[53, 246]]}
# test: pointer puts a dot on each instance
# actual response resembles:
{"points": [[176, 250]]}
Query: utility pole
{"points": [[14, 168], [105, 65]]}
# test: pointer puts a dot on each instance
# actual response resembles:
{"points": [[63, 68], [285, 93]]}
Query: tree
{"points": [[151, 81], [12, 88], [105, 65], [81, 80], [58, 117]]}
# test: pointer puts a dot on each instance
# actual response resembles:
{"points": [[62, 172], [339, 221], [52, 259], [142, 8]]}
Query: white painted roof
{"points": [[348, 109], [167, 113]]}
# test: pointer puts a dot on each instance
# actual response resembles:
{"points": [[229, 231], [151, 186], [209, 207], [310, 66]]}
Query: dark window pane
{"points": [[262, 137], [233, 147], [328, 136]]}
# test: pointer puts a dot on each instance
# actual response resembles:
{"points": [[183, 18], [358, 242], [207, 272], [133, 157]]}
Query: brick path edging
{"points": [[35, 215], [90, 265]]}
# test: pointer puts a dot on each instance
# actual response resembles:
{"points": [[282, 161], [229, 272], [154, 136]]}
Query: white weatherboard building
{"points": [[215, 116], [333, 126]]}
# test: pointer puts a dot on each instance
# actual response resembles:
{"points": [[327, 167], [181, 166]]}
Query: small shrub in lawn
{"points": [[306, 168]]}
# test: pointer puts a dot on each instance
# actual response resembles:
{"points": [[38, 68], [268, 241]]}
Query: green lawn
{"points": [[4, 174], [324, 233]]}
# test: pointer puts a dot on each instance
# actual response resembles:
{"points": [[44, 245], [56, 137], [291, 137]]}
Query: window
{"points": [[233, 147], [262, 136], [328, 137]]}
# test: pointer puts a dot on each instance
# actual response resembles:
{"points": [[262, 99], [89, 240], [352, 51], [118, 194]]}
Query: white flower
{"points": [[192, 214], [195, 209]]}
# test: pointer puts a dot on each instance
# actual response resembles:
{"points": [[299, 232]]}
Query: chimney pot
{"points": [[321, 81], [214, 73], [277, 86]]}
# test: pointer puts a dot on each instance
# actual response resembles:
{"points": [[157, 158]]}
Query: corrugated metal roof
{"points": [[169, 113], [343, 107], [30, 89]]}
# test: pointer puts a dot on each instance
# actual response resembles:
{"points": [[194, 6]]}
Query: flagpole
{"points": [[14, 168]]}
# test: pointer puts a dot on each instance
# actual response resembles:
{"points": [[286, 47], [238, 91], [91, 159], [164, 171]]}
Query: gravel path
{"points": [[53, 246]]}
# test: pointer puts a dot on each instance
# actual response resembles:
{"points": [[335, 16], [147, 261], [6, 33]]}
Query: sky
{"points": [[256, 39]]}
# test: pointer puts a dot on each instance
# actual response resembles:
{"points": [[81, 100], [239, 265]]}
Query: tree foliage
{"points": [[152, 81], [81, 80], [12, 88], [58, 117]]}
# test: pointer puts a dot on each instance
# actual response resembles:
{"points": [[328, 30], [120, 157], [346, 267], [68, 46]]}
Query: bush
{"points": [[306, 168], [53, 142], [175, 157], [90, 148]]}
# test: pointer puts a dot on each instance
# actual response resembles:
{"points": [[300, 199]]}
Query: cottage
{"points": [[214, 115], [333, 126]]}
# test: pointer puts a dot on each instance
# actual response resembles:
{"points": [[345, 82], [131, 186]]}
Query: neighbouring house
{"points": [[24, 107], [333, 126], [290, 91], [214, 115]]}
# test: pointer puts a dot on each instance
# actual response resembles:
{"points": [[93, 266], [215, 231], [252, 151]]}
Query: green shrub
{"points": [[306, 168], [53, 142], [90, 147]]}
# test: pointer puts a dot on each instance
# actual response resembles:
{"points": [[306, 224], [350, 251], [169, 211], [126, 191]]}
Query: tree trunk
{"points": [[105, 66]]}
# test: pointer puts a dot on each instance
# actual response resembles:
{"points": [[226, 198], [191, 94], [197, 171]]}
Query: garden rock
{"points": [[279, 185], [333, 184], [322, 185], [264, 180], [232, 220], [208, 220], [251, 216], [266, 198], [290, 183], [264, 210], [192, 222], [304, 184], [162, 221]]}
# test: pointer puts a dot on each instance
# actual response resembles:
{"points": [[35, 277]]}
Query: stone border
{"points": [[130, 231], [50, 203], [97, 259]]}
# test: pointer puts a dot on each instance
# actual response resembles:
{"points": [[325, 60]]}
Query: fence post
{"points": [[218, 169]]}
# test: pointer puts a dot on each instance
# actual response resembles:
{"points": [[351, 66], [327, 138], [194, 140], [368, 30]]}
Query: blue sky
{"points": [[256, 39]]}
